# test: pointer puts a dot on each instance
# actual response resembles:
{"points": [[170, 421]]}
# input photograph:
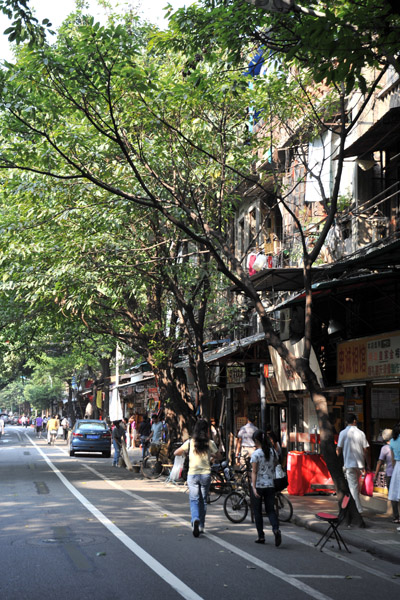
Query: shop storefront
{"points": [[369, 368]]}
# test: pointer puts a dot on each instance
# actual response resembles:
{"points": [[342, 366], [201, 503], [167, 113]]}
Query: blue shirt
{"points": [[395, 446], [157, 430]]}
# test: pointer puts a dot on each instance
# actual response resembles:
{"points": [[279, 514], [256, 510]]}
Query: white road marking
{"points": [[152, 563], [327, 576], [291, 579], [233, 549]]}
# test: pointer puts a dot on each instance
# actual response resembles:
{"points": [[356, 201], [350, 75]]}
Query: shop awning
{"points": [[383, 135], [324, 288], [282, 280], [383, 254], [224, 351], [289, 279]]}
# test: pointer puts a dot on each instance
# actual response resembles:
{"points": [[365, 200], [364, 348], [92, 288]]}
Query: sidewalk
{"points": [[380, 536]]}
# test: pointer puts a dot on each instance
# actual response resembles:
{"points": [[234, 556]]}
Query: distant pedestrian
{"points": [[52, 425], [353, 444], [274, 440], [65, 427], [118, 435], [385, 457], [144, 432], [156, 429], [39, 427], [245, 445], [263, 462], [200, 449], [215, 436], [394, 490]]}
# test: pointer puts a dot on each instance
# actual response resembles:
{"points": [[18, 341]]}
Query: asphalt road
{"points": [[76, 527]]}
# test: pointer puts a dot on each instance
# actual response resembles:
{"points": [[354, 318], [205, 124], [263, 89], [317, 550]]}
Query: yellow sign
{"points": [[376, 357]]}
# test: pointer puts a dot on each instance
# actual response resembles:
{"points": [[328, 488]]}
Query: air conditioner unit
{"points": [[284, 324]]}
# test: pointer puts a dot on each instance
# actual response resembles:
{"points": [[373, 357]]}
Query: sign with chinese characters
{"points": [[369, 358], [235, 374]]}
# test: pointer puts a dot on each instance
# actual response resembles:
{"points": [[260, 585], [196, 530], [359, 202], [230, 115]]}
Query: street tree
{"points": [[336, 41], [114, 272], [151, 130]]}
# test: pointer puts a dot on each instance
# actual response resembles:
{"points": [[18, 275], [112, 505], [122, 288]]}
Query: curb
{"points": [[373, 548]]}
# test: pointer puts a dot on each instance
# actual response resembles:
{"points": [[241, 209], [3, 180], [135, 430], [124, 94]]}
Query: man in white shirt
{"points": [[245, 445], [353, 444]]}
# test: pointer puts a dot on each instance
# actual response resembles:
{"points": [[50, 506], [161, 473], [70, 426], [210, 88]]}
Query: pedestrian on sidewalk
{"points": [[353, 444], [394, 490], [245, 445], [385, 457], [144, 432], [118, 435], [200, 449], [263, 462], [131, 433]]}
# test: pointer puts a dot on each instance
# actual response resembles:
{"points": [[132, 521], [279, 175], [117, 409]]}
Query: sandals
{"points": [[396, 521]]}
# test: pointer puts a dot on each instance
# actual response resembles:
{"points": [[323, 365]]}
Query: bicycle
{"points": [[236, 506], [222, 481], [161, 463]]}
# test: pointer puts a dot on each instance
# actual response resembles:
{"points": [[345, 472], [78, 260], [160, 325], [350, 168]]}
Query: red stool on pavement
{"points": [[334, 522]]}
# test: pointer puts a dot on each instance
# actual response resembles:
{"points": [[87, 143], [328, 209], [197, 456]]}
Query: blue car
{"points": [[90, 435]]}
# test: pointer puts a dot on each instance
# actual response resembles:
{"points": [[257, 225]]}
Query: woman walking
{"points": [[118, 436], [200, 449], [263, 462], [394, 489]]}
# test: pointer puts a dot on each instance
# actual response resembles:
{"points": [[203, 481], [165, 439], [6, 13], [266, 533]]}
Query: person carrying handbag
{"points": [[200, 449], [263, 462]]}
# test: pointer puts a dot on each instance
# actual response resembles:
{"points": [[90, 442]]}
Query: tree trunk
{"points": [[106, 373], [179, 408], [328, 448], [70, 408]]}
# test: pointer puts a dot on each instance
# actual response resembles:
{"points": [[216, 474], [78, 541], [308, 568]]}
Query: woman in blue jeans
{"points": [[200, 449], [263, 462]]}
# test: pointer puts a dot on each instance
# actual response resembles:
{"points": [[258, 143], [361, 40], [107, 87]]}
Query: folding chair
{"points": [[334, 522]]}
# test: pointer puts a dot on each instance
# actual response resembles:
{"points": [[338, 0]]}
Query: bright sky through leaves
{"points": [[57, 11]]}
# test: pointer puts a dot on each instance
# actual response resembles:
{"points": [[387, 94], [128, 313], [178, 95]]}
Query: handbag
{"points": [[280, 479], [185, 468], [367, 484], [176, 471]]}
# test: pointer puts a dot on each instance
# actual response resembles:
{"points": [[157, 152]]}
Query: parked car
{"points": [[90, 435]]}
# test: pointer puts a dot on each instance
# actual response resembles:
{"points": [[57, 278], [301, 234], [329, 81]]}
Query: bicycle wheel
{"points": [[283, 507], [236, 507], [151, 467], [216, 488]]}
